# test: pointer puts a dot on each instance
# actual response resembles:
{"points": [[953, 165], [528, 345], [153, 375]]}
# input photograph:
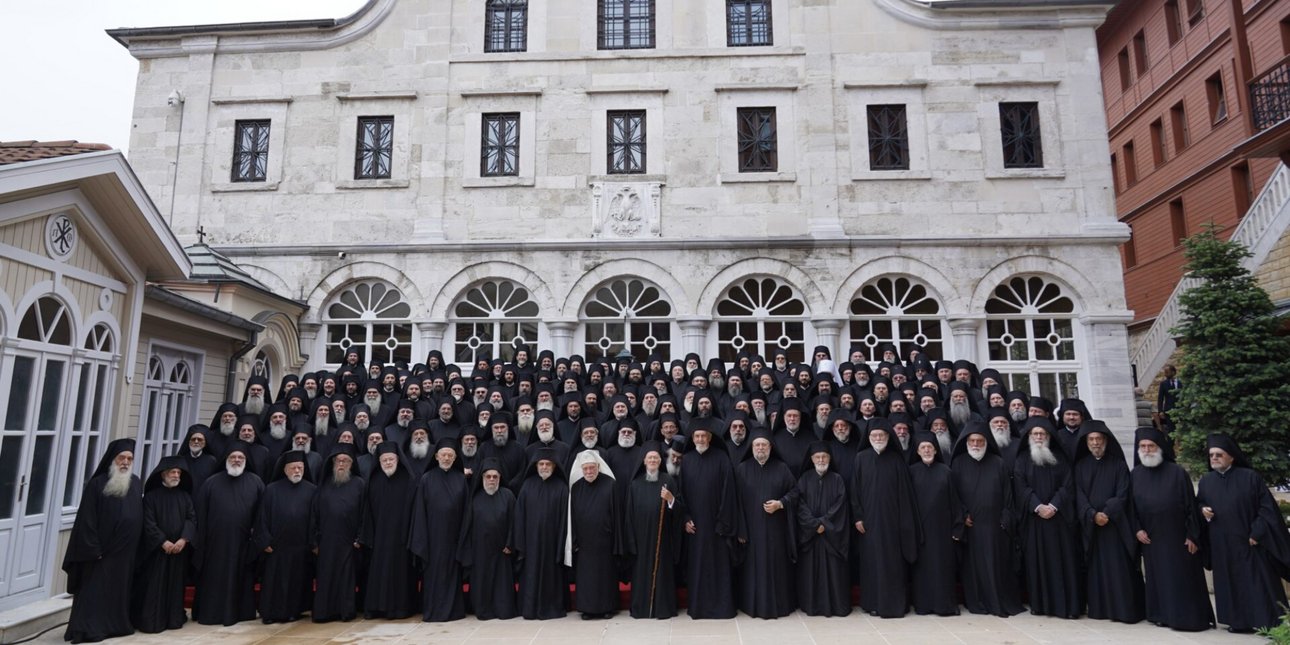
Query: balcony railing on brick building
{"points": [[1270, 96]]}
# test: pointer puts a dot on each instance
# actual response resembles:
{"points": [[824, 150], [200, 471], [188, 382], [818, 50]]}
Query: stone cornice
{"points": [[1016, 14]]}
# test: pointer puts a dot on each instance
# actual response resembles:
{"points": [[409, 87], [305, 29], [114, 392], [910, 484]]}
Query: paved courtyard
{"points": [[792, 630]]}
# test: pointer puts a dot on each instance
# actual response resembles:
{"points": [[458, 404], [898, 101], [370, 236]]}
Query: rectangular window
{"points": [[1126, 75], [626, 141], [625, 24], [1158, 142], [888, 138], [250, 150], [1140, 52], [374, 148], [1178, 123], [506, 26], [748, 23], [500, 145], [1177, 221], [1217, 98], [758, 143], [1173, 22], [1130, 164], [1019, 127], [1195, 11], [1242, 188], [1130, 251], [1115, 174]]}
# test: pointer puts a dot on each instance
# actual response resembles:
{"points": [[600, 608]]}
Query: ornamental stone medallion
{"points": [[625, 210]]}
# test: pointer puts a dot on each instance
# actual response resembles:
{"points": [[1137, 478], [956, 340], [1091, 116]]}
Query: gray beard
{"points": [[363, 425], [821, 470], [277, 430], [717, 382], [878, 448], [960, 414], [1152, 460], [1042, 455], [700, 449], [589, 443], [403, 423], [976, 453], [760, 416], [651, 476], [524, 425], [311, 393], [491, 488], [627, 442], [374, 404], [545, 436], [500, 442], [822, 421], [118, 483], [648, 407], [1002, 439], [389, 472], [234, 471], [943, 441], [904, 442], [547, 406], [320, 427], [340, 478], [195, 453], [420, 450], [254, 405], [306, 447], [469, 451], [673, 469], [734, 390], [1018, 415], [226, 429]]}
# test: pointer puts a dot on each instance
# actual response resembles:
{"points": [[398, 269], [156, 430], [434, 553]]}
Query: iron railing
{"points": [[1270, 96]]}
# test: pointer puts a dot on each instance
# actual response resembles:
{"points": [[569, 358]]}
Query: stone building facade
{"points": [[693, 176]]}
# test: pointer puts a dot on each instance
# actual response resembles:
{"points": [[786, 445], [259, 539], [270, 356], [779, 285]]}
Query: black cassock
{"points": [[1115, 588], [766, 580], [985, 490], [823, 578], [391, 585], [491, 572], [100, 561], [286, 582], [226, 511], [438, 510], [941, 515], [643, 539], [707, 482], [541, 516], [882, 496], [1164, 506], [168, 515], [1051, 546], [594, 521], [1247, 591], [335, 521]]}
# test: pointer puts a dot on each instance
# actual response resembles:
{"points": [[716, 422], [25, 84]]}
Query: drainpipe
{"points": [[230, 382]]}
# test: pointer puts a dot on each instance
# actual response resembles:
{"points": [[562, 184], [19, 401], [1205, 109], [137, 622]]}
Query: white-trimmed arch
{"points": [[357, 271], [455, 288], [8, 318], [109, 321], [625, 268], [56, 290], [1074, 284], [757, 267], [897, 266]]}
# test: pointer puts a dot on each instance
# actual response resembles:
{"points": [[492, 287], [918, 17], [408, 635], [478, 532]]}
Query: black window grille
{"points": [[625, 24], [888, 138], [758, 145], [374, 148], [1019, 127], [251, 150], [506, 26], [500, 145], [626, 145], [748, 23]]}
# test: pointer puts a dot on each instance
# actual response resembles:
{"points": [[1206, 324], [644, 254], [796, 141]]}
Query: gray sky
{"points": [[64, 78]]}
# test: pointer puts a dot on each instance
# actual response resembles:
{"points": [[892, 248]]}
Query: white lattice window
{"points": [[169, 405], [47, 321], [899, 311], [92, 411], [492, 319], [372, 316], [1030, 337], [627, 313], [760, 315]]}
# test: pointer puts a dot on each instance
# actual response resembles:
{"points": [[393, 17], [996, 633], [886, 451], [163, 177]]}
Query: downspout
{"points": [[230, 381]]}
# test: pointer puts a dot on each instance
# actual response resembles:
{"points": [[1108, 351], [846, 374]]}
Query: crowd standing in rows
{"points": [[759, 487]]}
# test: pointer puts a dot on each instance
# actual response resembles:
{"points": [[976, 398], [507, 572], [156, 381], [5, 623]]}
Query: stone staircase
{"points": [[1258, 231], [35, 617]]}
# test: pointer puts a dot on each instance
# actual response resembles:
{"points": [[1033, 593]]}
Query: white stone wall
{"points": [[957, 220]]}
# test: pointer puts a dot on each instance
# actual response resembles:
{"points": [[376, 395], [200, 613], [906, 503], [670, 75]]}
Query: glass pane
{"points": [[39, 490], [1048, 387], [91, 454], [101, 385], [82, 397], [10, 457], [51, 395], [73, 460], [19, 391]]}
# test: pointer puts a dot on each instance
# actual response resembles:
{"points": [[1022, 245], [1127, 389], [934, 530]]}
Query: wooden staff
{"points": [[658, 545]]}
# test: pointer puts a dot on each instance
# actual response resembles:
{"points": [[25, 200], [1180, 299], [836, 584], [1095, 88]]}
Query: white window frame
{"points": [[179, 403], [583, 338], [498, 346], [1032, 367], [895, 318], [763, 346], [368, 320]]}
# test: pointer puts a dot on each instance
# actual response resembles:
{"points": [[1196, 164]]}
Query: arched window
{"points": [[47, 321], [262, 366], [627, 313], [100, 339], [92, 411], [760, 315], [491, 319], [372, 316], [899, 311], [1031, 339], [169, 404]]}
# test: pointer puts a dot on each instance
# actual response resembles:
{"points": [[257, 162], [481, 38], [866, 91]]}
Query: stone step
{"points": [[33, 618]]}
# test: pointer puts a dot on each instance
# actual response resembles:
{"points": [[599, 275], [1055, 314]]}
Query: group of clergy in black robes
{"points": [[762, 487]]}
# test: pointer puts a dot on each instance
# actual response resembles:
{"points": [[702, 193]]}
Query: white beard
{"points": [[976, 453], [226, 429], [469, 451], [822, 420], [491, 487], [546, 405], [701, 449], [1001, 438], [390, 470], [168, 484], [479, 401], [234, 471], [760, 416], [306, 447], [544, 476], [689, 406], [673, 469], [320, 427], [278, 430], [374, 403], [1152, 460], [403, 423], [363, 425], [296, 478], [648, 407], [626, 442], [878, 447], [792, 429], [420, 449], [943, 441], [960, 414], [524, 425], [1018, 415], [195, 453], [311, 393], [254, 405], [1042, 455], [821, 470], [545, 436], [589, 443], [118, 483]]}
